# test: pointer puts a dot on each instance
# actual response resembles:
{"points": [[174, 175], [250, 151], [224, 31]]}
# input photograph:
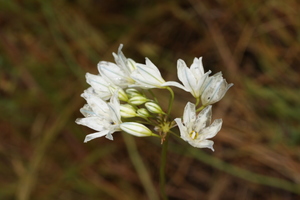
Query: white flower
{"points": [[136, 129], [148, 76], [103, 88], [118, 74], [214, 89], [127, 64], [101, 116], [196, 129], [193, 77]]}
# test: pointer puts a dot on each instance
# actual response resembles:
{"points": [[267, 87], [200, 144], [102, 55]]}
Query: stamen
{"points": [[193, 135]]}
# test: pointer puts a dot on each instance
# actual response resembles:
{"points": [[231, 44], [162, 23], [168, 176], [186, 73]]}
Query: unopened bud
{"points": [[122, 95], [136, 129], [137, 100], [127, 111], [142, 112], [133, 92], [154, 108]]}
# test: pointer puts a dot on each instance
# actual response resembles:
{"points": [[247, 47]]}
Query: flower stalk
{"points": [[171, 100], [162, 170]]}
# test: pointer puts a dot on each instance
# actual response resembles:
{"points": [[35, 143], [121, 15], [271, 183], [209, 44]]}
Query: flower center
{"points": [[194, 134]]}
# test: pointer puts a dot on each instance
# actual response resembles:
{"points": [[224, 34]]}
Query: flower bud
{"points": [[136, 129], [127, 111], [133, 92], [142, 112], [154, 108], [122, 95], [137, 100]]}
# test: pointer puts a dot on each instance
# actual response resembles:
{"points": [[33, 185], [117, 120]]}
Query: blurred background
{"points": [[46, 47]]}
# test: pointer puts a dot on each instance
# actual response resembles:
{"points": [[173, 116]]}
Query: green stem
{"points": [[140, 167], [153, 95], [171, 100], [162, 178], [197, 101], [201, 108], [175, 134]]}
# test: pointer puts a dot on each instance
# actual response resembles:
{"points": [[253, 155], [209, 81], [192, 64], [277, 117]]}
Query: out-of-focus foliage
{"points": [[46, 47]]}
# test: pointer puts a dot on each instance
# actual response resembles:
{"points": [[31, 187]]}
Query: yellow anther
{"points": [[193, 135]]}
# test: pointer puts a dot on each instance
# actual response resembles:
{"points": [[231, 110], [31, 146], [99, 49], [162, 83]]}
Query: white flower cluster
{"points": [[116, 101]]}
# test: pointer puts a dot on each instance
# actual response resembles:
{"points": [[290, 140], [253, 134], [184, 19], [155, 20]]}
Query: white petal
{"points": [[114, 106], [186, 76], [91, 91], [150, 75], [203, 119], [95, 123], [204, 85], [99, 106], [152, 68], [220, 92], [203, 144], [197, 67], [175, 84], [109, 136], [121, 59], [113, 73], [147, 75], [215, 89], [145, 80], [208, 91], [110, 70], [87, 111], [131, 64], [183, 130], [201, 81], [96, 81], [189, 115], [211, 130], [95, 135]]}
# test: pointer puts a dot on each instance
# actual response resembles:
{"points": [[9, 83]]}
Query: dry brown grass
{"points": [[46, 48]]}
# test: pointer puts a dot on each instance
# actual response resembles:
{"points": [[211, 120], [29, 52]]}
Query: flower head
{"points": [[196, 129], [104, 117], [126, 81]]}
